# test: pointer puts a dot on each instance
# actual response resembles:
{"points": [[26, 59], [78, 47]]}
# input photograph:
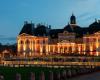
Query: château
{"points": [[37, 40]]}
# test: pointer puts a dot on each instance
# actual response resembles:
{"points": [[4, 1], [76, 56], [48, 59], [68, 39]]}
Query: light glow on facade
{"points": [[34, 45]]}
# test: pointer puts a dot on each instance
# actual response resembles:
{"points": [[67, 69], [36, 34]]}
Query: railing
{"points": [[50, 63]]}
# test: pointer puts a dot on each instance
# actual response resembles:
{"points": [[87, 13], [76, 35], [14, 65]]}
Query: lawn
{"points": [[10, 72]]}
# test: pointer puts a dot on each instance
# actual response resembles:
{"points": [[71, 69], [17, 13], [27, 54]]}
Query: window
{"points": [[43, 41], [21, 42], [27, 41], [38, 41]]}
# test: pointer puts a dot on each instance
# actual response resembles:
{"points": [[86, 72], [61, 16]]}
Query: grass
{"points": [[10, 72]]}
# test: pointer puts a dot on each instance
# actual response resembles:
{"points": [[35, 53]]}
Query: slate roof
{"points": [[42, 30], [27, 28], [68, 28], [94, 27], [54, 32], [39, 30]]}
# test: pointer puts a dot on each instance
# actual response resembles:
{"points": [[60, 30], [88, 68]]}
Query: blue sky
{"points": [[13, 13]]}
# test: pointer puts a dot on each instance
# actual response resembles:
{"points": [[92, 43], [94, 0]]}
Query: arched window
{"points": [[21, 42], [27, 41], [43, 41], [38, 41]]}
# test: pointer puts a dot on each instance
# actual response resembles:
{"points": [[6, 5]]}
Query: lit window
{"points": [[21, 42], [38, 41], [43, 41], [27, 41]]}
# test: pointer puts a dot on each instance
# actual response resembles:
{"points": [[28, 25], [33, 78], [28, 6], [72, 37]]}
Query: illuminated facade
{"points": [[29, 45], [35, 46], [42, 40], [66, 42], [32, 45], [92, 43]]}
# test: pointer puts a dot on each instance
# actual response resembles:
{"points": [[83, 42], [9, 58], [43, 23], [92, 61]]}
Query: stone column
{"points": [[18, 46], [84, 48], [91, 49], [50, 75], [32, 76], [58, 76], [53, 48], [24, 47], [49, 48], [46, 49], [35, 46], [69, 73], [63, 48], [42, 76], [73, 48], [58, 48], [68, 49], [46, 44], [18, 76], [64, 75], [97, 43], [40, 47], [32, 47], [79, 48], [1, 77]]}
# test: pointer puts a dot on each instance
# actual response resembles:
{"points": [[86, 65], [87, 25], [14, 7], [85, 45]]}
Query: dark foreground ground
{"points": [[92, 76], [76, 73]]}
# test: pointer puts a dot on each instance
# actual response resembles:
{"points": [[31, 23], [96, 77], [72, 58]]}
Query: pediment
{"points": [[97, 32], [65, 41], [65, 32], [24, 34]]}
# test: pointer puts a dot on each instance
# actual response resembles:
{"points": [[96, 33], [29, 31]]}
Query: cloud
{"points": [[84, 15], [7, 38], [1, 36]]}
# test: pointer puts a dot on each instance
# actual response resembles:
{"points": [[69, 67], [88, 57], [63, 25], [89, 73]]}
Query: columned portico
{"points": [[32, 45], [66, 47]]}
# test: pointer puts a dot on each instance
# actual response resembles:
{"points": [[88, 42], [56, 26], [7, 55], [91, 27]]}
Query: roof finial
{"points": [[25, 22], [72, 13], [95, 20], [68, 23], [31, 21]]}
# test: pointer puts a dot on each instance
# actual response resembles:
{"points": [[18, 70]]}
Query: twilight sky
{"points": [[13, 13]]}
